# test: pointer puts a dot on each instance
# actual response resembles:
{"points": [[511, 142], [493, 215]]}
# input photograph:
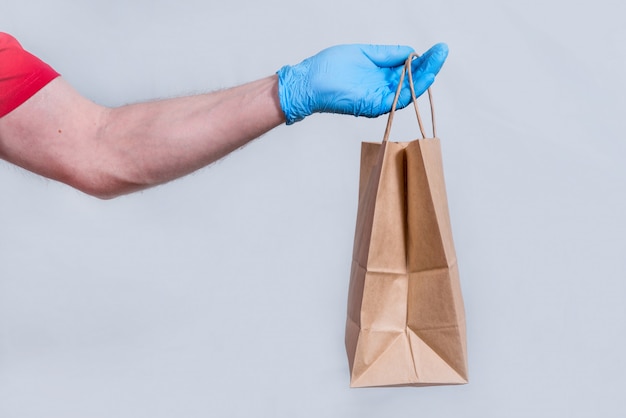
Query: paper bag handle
{"points": [[405, 69]]}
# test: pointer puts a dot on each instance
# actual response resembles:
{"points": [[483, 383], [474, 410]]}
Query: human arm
{"points": [[108, 152]]}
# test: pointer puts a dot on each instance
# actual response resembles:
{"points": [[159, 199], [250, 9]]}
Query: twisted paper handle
{"points": [[405, 69]]}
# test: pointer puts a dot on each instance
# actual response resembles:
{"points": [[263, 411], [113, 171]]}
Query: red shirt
{"points": [[21, 74]]}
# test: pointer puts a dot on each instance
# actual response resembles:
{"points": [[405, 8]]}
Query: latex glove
{"points": [[359, 80]]}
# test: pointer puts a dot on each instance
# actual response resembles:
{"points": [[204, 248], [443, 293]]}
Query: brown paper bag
{"points": [[406, 321]]}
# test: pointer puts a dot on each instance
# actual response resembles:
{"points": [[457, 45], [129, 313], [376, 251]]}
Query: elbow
{"points": [[106, 168], [104, 185], [105, 190], [104, 193]]}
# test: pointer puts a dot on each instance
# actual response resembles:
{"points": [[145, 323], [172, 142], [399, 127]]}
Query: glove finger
{"points": [[426, 67], [431, 61], [403, 100], [423, 83], [387, 55]]}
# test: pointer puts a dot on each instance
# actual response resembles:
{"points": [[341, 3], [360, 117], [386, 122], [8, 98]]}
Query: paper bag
{"points": [[406, 320]]}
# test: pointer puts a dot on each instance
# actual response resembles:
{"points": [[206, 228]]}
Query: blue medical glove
{"points": [[359, 80]]}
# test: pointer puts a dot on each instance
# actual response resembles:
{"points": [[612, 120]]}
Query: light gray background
{"points": [[224, 293]]}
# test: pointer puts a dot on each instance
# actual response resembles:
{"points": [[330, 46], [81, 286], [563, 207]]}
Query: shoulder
{"points": [[21, 74], [8, 41]]}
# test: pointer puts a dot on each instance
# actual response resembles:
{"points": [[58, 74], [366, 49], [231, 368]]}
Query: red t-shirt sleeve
{"points": [[21, 74]]}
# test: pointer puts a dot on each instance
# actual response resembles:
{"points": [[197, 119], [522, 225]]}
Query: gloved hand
{"points": [[359, 80]]}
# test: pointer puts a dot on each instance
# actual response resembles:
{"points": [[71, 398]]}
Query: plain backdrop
{"points": [[223, 294]]}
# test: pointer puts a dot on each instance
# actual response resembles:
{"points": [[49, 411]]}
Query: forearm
{"points": [[152, 143], [108, 152]]}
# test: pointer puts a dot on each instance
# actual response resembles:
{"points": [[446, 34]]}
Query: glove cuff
{"points": [[293, 99]]}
